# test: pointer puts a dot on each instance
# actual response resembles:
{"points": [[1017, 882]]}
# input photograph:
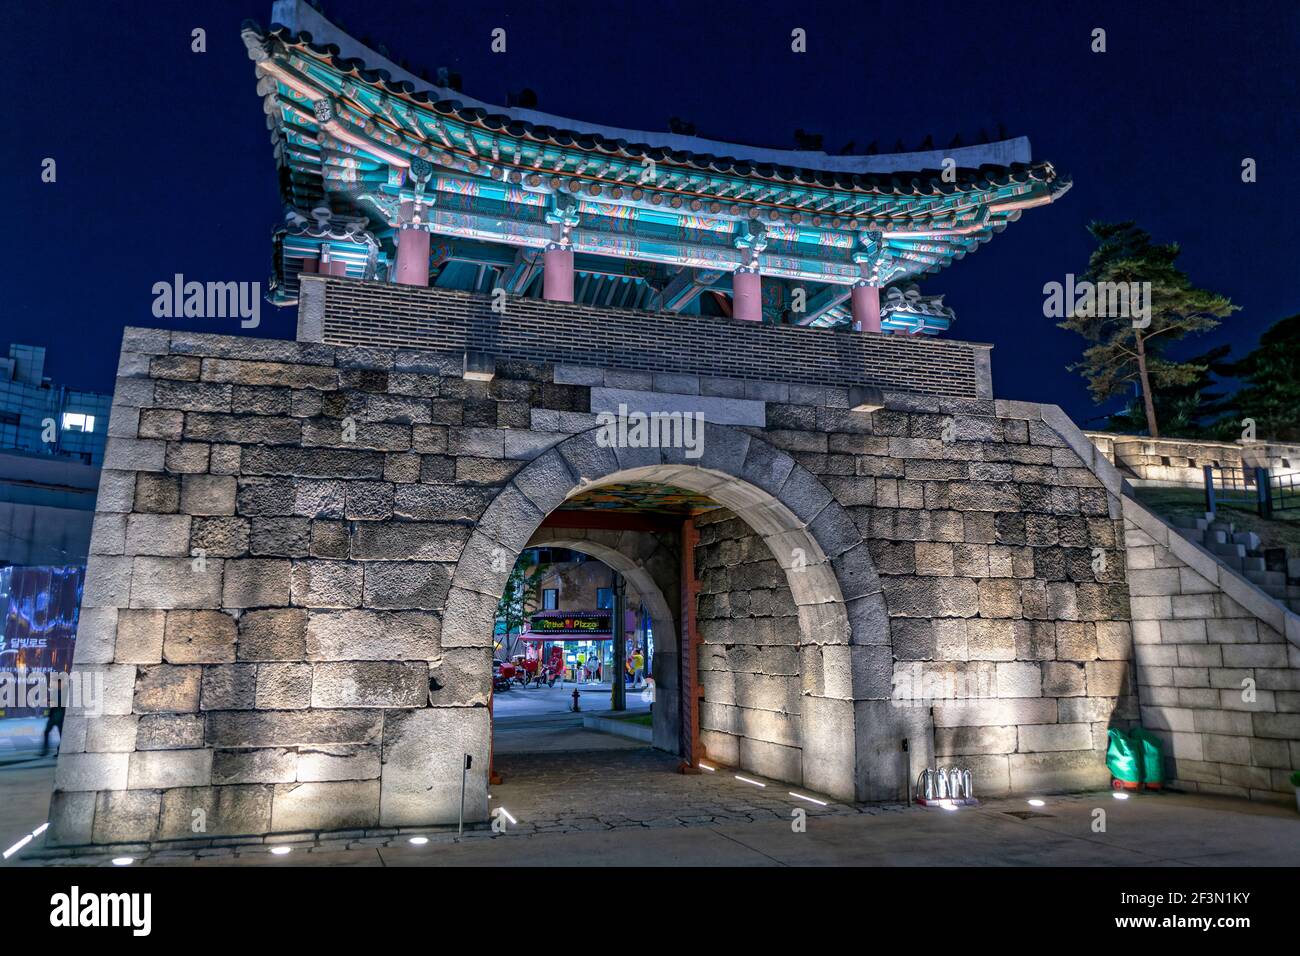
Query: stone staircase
{"points": [[1274, 570]]}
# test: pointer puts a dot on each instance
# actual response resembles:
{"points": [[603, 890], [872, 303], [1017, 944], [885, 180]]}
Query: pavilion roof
{"points": [[354, 143]]}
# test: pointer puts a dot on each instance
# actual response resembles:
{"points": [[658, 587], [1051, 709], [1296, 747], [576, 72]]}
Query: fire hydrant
{"points": [[576, 695]]}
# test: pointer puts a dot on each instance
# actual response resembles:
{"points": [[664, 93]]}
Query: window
{"points": [[605, 597], [78, 422], [550, 599]]}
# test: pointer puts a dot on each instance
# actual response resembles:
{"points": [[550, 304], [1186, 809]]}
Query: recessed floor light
{"points": [[1120, 795], [506, 813], [122, 861], [418, 841], [705, 766], [747, 780], [948, 806], [281, 850], [820, 803], [1037, 803], [17, 846]]}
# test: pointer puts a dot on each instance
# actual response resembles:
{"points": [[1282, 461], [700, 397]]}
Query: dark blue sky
{"points": [[164, 164]]}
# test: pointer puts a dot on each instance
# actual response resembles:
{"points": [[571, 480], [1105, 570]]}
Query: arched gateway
{"points": [[827, 569]]}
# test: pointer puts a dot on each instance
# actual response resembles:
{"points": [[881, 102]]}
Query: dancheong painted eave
{"points": [[641, 220]]}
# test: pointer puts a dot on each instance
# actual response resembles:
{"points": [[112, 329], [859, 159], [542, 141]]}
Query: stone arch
{"points": [[845, 653], [651, 567]]}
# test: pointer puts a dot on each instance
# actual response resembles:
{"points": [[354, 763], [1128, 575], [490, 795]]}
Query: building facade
{"points": [[51, 447]]}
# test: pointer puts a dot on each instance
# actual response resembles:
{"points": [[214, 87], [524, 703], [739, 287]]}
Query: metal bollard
{"points": [[464, 772]]}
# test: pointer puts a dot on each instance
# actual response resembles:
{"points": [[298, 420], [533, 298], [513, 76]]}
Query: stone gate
{"points": [[299, 548]]}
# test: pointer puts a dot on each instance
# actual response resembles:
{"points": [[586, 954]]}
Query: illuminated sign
{"points": [[577, 623]]}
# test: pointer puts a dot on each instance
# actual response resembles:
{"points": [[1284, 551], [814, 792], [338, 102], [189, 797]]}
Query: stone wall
{"points": [[749, 635], [299, 547], [1000, 556], [1218, 666], [1182, 461]]}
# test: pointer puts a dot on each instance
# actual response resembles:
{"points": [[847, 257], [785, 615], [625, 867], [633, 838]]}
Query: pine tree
{"points": [[1125, 351], [1271, 393]]}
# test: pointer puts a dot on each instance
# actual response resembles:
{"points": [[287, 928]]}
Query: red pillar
{"points": [[866, 307], [747, 296], [412, 257], [557, 274]]}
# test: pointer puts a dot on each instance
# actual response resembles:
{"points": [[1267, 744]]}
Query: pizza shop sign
{"points": [[576, 624]]}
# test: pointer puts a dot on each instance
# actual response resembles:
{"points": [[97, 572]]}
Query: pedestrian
{"points": [[55, 719], [638, 668]]}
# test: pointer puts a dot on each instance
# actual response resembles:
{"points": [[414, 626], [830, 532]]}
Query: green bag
{"points": [[1152, 754], [1122, 757]]}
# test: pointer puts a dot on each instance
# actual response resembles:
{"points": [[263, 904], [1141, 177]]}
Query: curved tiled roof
{"points": [[914, 183]]}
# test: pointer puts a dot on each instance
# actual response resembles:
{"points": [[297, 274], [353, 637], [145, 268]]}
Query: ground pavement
{"points": [[630, 807]]}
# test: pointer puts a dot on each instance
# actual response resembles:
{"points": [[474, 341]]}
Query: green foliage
{"points": [[1270, 393], [520, 594], [1122, 353]]}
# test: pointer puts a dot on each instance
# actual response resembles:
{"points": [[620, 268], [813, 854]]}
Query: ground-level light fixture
{"points": [[25, 840], [281, 850], [1037, 803], [418, 841], [17, 846], [747, 780], [705, 766], [506, 813], [800, 796], [123, 861], [1120, 795]]}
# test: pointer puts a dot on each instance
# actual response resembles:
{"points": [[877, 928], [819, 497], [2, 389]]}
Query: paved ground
{"points": [[533, 701], [629, 807], [21, 738], [24, 798], [549, 734], [579, 797]]}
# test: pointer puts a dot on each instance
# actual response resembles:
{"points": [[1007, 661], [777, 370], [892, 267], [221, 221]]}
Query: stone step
{"points": [[1267, 579], [1228, 550]]}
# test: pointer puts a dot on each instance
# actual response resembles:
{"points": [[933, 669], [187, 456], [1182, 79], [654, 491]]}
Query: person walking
{"points": [[638, 668], [55, 719]]}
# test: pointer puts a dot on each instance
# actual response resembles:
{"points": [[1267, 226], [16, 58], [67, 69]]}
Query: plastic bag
{"points": [[1151, 752], [1122, 757]]}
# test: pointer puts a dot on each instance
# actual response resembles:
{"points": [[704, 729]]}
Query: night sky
{"points": [[165, 166]]}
